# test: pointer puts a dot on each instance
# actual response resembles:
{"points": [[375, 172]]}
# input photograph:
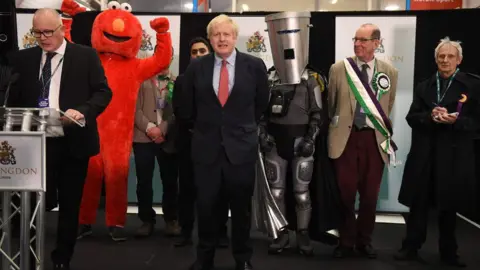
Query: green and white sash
{"points": [[376, 117]]}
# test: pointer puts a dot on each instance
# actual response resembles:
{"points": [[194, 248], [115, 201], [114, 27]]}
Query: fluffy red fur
{"points": [[117, 36]]}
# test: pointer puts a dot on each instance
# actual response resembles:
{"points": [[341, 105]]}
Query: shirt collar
{"points": [[230, 60], [61, 50], [371, 64]]}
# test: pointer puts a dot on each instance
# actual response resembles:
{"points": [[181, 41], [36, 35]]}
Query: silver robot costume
{"points": [[289, 128]]}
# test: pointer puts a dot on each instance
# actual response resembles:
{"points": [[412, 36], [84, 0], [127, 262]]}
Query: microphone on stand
{"points": [[13, 79]]}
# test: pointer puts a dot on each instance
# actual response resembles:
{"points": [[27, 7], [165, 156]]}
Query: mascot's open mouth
{"points": [[116, 38]]}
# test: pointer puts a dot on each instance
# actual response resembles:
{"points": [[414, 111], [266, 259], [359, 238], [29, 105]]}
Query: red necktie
{"points": [[223, 85]]}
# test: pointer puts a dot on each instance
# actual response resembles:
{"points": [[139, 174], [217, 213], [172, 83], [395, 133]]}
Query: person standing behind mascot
{"points": [[117, 37]]}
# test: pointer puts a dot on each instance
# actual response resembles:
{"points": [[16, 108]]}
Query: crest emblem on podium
{"points": [[256, 43], [146, 42], [7, 154]]}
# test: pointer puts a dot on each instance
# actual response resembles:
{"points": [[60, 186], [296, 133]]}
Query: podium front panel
{"points": [[22, 161]]}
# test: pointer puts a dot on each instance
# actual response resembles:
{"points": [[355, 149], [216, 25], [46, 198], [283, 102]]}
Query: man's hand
{"points": [[437, 111], [154, 133], [74, 114], [446, 118], [159, 139]]}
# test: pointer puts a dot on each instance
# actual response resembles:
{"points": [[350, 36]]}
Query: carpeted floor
{"points": [[98, 252]]}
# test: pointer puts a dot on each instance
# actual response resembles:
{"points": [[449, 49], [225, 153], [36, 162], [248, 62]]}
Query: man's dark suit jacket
{"points": [[183, 141], [233, 126], [83, 88]]}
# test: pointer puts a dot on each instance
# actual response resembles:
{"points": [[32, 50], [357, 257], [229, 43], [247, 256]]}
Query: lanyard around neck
{"points": [[439, 99], [51, 76]]}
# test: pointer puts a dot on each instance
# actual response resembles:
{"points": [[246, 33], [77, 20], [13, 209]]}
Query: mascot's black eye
{"points": [[127, 7], [113, 5]]}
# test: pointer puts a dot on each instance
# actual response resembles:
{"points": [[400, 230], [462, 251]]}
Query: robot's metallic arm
{"points": [[266, 140], [316, 85]]}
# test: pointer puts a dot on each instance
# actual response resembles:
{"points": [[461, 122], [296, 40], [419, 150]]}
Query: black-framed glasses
{"points": [[363, 40], [46, 33]]}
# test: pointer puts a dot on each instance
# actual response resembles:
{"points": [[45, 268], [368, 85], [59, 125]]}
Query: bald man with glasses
{"points": [[61, 75]]}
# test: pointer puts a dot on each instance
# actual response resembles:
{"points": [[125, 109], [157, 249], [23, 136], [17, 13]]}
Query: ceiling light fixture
{"points": [[392, 7]]}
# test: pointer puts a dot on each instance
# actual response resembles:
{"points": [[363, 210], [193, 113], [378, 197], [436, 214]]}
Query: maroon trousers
{"points": [[359, 168]]}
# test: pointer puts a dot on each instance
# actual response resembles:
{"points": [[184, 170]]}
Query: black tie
{"points": [[47, 74], [365, 73]]}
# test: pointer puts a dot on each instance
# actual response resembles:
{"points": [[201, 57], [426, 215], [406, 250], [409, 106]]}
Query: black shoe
{"points": [[342, 252], [84, 231], [367, 251], [223, 242], [453, 261], [117, 233], [145, 230], [184, 240], [61, 266], [244, 266], [303, 242], [200, 266], [279, 244], [406, 255]]}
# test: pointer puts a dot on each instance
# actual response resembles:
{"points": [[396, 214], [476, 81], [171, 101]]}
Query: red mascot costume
{"points": [[117, 37]]}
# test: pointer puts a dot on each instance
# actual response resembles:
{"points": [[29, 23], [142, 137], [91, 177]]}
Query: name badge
{"points": [[43, 103], [161, 103]]}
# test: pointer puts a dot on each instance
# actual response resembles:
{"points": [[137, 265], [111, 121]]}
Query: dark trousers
{"points": [[145, 154], [187, 197], [417, 223], [65, 179], [214, 183], [359, 168]]}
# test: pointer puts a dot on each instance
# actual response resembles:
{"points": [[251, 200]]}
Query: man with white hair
{"points": [[439, 171]]}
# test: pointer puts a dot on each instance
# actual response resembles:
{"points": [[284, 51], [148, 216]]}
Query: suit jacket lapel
{"points": [[454, 92], [381, 68], [208, 75], [239, 69], [37, 58], [353, 100], [67, 62], [430, 93]]}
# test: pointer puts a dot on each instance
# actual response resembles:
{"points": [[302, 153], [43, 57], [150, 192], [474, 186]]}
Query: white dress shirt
{"points": [[217, 68], [54, 91], [370, 69]]}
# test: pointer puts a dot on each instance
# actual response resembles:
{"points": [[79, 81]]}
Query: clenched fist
{"points": [[160, 25], [71, 8]]}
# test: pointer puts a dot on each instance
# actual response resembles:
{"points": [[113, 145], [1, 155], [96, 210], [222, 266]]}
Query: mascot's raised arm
{"points": [[117, 37]]}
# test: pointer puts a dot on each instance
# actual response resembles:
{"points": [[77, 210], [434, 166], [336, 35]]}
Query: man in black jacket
{"points": [[439, 171], [69, 77]]}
